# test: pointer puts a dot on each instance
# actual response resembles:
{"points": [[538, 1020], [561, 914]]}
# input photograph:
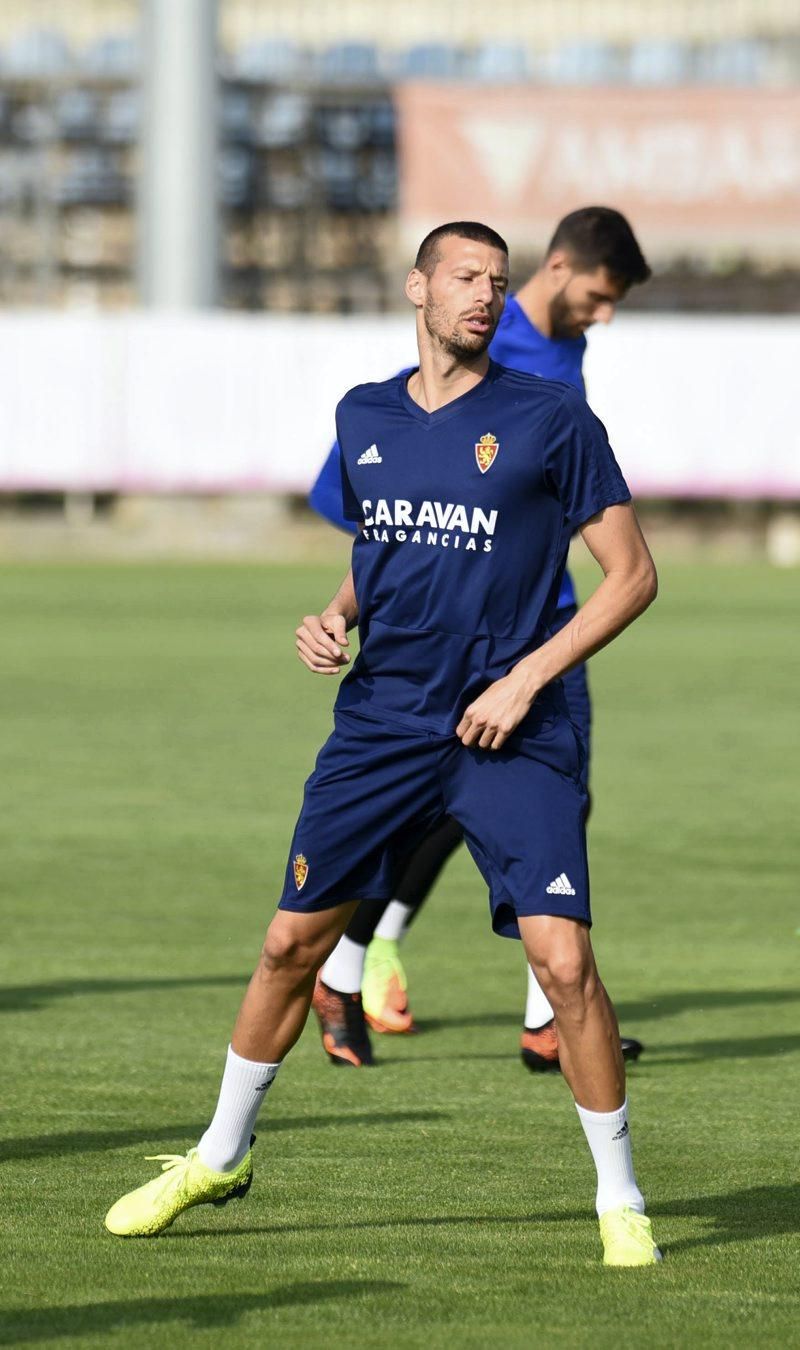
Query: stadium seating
{"points": [[120, 117], [344, 128], [281, 120], [235, 121], [113, 56], [432, 61], [579, 63], [499, 63], [77, 114], [735, 62], [351, 63], [268, 61], [38, 53], [236, 177], [307, 119], [659, 63]]}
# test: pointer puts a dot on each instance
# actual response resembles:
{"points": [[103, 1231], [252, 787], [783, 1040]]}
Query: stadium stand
{"points": [[307, 129]]}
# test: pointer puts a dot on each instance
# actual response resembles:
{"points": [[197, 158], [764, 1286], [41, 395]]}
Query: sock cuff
{"points": [[603, 1117], [243, 1065], [394, 921]]}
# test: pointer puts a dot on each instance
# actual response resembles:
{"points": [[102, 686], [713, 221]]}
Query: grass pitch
{"points": [[156, 731]]}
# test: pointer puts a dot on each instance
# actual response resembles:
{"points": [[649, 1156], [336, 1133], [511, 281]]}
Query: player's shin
{"points": [[245, 1084], [609, 1138]]}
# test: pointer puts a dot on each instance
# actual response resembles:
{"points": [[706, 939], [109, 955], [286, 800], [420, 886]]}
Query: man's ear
{"points": [[415, 287], [558, 265]]}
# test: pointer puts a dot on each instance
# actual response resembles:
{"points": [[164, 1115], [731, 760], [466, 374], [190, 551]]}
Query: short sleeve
{"points": [[580, 463], [351, 506], [326, 496]]}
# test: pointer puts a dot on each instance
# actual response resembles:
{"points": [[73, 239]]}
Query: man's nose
{"points": [[484, 290], [605, 312]]}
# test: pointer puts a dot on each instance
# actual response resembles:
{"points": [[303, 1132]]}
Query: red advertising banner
{"points": [[694, 168]]}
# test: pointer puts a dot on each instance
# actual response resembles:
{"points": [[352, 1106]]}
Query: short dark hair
{"points": [[428, 251], [599, 236]]}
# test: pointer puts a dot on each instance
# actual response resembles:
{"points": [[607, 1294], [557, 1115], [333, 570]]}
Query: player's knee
{"points": [[567, 974], [285, 951]]}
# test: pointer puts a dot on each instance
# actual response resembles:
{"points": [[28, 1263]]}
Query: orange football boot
{"points": [[345, 1038], [539, 1048]]}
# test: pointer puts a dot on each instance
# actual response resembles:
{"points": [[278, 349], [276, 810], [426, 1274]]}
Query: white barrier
{"points": [[233, 403]]}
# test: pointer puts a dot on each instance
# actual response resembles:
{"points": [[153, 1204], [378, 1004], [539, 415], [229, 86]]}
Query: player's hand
{"points": [[489, 721], [320, 640]]}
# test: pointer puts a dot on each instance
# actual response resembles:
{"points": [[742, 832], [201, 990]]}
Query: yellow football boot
{"points": [[627, 1238], [384, 989], [185, 1181]]}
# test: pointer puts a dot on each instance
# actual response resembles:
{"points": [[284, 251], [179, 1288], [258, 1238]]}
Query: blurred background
{"points": [[207, 209]]}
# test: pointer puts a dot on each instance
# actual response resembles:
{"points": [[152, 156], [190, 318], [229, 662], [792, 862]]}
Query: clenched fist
{"points": [[495, 714], [320, 640]]}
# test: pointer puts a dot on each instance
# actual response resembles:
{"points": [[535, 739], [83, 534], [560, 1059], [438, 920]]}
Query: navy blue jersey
{"points": [[467, 514], [519, 344]]}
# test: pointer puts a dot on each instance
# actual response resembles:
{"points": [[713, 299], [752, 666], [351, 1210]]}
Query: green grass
{"points": [[156, 731]]}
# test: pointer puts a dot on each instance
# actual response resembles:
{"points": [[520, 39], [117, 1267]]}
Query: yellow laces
{"points": [[169, 1160]]}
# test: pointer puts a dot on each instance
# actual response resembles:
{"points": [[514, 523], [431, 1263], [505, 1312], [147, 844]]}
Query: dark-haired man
{"points": [[468, 480], [590, 263]]}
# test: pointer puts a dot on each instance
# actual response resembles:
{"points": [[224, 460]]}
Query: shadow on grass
{"points": [[354, 1225], [639, 1010], [476, 1019], [656, 1057], [32, 997], [741, 1216], [383, 1060], [703, 1000], [199, 1310], [736, 1047], [100, 1141]]}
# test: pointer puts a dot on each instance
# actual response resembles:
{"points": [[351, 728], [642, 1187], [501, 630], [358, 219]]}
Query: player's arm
{"points": [[321, 638], [325, 496], [629, 585]]}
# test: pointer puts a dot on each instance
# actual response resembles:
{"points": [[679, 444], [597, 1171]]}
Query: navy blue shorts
{"points": [[377, 790]]}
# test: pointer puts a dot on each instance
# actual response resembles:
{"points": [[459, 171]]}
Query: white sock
{"points": [[394, 921], [244, 1086], [609, 1138], [537, 1009], [344, 968]]}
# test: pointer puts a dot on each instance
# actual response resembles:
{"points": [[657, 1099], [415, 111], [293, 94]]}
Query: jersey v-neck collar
{"points": [[455, 406]]}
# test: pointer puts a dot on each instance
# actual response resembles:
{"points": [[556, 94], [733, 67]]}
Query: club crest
{"points": [[300, 871], [486, 451]]}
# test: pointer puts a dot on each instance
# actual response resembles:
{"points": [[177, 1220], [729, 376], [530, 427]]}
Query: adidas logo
{"points": [[620, 1133], [561, 886], [370, 456]]}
